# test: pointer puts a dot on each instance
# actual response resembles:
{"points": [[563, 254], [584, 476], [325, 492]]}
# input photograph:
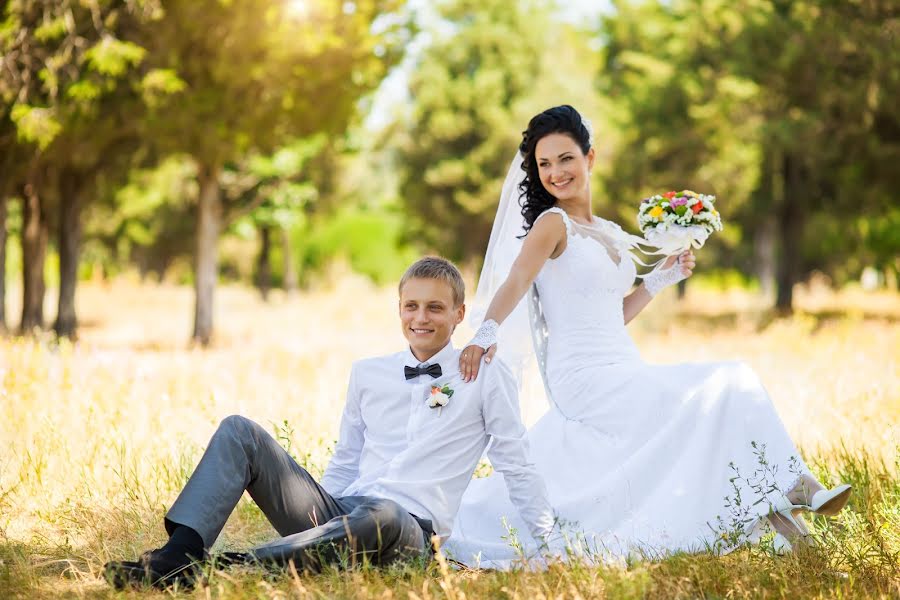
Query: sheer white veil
{"points": [[525, 326], [504, 244], [503, 248]]}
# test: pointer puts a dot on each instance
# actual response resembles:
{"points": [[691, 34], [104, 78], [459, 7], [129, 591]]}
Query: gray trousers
{"points": [[316, 528]]}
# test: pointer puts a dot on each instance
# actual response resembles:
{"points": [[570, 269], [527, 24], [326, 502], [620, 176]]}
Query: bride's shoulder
{"points": [[553, 219], [553, 210]]}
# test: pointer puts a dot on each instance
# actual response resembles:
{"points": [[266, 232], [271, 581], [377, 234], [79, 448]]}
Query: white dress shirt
{"points": [[393, 445]]}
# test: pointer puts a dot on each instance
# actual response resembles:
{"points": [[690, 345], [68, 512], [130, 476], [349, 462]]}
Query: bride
{"points": [[638, 459]]}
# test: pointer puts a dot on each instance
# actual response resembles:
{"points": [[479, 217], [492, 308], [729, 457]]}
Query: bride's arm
{"points": [[635, 302], [546, 239]]}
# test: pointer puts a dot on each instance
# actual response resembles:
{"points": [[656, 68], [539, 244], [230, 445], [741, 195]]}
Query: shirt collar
{"points": [[446, 357]]}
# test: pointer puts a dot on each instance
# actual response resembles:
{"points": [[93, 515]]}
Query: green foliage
{"points": [[489, 68], [772, 106], [51, 29], [464, 126], [671, 107], [285, 190], [723, 279], [149, 220], [775, 107], [882, 236], [84, 91], [35, 124], [114, 57], [157, 84], [62, 58], [371, 241], [257, 76], [828, 133]]}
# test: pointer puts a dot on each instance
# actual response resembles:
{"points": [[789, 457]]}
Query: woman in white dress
{"points": [[637, 458]]}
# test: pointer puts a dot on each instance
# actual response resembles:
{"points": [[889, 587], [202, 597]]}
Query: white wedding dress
{"points": [[638, 459]]}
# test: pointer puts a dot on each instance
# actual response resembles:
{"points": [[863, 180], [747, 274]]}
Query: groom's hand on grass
{"points": [[470, 360]]}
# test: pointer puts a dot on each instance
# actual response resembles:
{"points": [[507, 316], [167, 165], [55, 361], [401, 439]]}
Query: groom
{"points": [[411, 435]]}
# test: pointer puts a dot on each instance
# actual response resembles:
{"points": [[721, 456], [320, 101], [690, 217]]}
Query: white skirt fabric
{"points": [[646, 460], [638, 458]]}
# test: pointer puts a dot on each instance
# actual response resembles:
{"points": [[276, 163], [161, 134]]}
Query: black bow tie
{"points": [[412, 372]]}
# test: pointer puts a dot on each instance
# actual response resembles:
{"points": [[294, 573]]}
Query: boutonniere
{"points": [[439, 397]]}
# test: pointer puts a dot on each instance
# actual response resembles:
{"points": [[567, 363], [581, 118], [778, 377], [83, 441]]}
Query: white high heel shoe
{"points": [[830, 502], [779, 544], [786, 511]]}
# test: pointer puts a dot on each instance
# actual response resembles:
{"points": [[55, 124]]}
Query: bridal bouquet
{"points": [[676, 221]]}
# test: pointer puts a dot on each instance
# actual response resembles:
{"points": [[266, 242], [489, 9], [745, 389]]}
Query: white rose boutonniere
{"points": [[439, 397]]}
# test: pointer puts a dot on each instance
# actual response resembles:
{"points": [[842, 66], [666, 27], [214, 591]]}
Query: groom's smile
{"points": [[428, 315]]}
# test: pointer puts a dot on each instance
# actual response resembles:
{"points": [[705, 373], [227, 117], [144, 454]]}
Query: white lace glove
{"points": [[660, 279], [486, 336]]}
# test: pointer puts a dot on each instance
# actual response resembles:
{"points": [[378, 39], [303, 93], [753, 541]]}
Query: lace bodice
{"points": [[581, 293]]}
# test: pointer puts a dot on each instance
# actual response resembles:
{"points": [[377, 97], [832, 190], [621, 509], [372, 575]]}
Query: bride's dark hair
{"points": [[533, 196]]}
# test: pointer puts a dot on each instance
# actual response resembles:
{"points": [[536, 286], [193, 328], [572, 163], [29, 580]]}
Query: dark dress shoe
{"points": [[162, 568]]}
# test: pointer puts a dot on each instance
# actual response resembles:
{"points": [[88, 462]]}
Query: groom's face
{"points": [[428, 315]]}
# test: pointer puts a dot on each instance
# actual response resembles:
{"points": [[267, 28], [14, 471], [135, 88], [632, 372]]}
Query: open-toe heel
{"points": [[787, 512], [830, 502]]}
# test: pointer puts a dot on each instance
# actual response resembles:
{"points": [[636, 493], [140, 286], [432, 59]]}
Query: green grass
{"points": [[98, 438]]}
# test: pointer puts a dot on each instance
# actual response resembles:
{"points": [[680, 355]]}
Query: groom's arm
{"points": [[508, 451], [343, 468]]}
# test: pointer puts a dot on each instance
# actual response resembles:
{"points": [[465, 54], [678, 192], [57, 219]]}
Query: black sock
{"points": [[184, 539]]}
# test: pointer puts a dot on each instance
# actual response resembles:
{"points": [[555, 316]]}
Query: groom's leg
{"points": [[377, 530], [242, 455]]}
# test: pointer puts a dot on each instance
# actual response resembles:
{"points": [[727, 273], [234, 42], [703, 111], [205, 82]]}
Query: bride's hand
{"points": [[685, 260], [470, 360], [674, 269]]}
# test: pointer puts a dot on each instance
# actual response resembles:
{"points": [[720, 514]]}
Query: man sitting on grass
{"points": [[411, 435]]}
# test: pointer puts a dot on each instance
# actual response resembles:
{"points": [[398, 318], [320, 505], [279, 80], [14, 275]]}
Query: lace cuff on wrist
{"points": [[663, 278], [486, 336]]}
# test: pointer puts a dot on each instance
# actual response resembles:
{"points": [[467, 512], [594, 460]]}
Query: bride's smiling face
{"points": [[564, 169]]}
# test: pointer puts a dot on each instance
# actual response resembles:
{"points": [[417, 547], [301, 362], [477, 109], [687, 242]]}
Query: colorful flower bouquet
{"points": [[677, 221]]}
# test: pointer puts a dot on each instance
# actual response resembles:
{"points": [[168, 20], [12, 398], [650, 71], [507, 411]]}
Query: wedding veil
{"points": [[525, 326]]}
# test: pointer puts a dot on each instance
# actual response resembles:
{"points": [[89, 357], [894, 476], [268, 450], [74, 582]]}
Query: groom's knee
{"points": [[237, 427], [234, 423], [385, 517]]}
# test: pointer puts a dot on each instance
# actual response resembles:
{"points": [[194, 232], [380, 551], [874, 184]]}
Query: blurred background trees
{"points": [[261, 140]]}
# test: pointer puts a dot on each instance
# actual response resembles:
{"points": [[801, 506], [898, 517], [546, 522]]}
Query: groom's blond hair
{"points": [[435, 267]]}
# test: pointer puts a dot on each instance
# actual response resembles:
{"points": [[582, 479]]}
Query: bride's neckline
{"points": [[595, 220]]}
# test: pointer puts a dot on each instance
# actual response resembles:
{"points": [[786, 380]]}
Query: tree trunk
{"points": [[764, 256], [3, 328], [34, 251], [290, 271], [209, 222], [69, 243], [766, 234], [264, 263], [790, 228]]}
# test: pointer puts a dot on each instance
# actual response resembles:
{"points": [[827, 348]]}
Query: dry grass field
{"points": [[96, 438]]}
